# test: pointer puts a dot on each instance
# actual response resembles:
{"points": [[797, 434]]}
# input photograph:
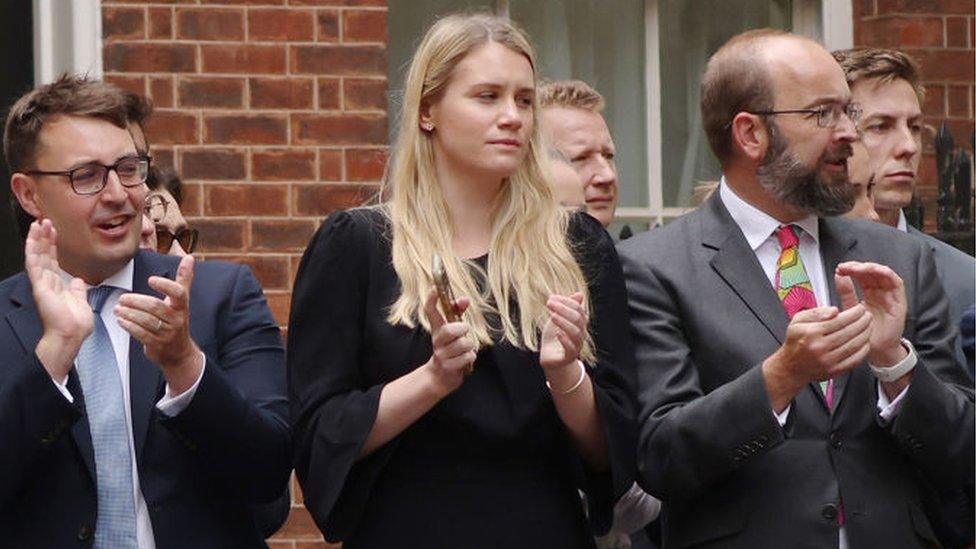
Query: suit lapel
{"points": [[836, 246], [145, 378], [736, 263], [26, 324]]}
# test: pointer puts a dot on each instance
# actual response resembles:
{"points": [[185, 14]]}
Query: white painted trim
{"points": [[652, 108], [807, 17], [43, 46], [838, 24], [67, 38]]}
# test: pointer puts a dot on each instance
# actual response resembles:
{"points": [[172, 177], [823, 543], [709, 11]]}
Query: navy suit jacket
{"points": [[200, 471]]}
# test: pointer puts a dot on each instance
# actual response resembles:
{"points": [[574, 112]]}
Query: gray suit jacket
{"points": [[704, 317], [957, 271]]}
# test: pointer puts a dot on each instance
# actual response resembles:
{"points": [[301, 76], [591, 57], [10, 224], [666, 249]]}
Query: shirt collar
{"points": [[902, 221], [122, 279], [756, 225]]}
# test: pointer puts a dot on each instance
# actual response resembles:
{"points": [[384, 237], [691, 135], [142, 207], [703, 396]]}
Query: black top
{"points": [[491, 465]]}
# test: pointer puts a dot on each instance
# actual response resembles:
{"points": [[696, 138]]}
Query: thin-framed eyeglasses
{"points": [[91, 178], [155, 207], [827, 115], [186, 237]]}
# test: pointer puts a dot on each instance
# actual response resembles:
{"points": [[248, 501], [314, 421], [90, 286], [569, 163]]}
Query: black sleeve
{"points": [[613, 373], [333, 407]]}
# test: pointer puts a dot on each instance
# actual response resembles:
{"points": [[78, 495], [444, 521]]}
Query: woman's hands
{"points": [[453, 351], [564, 333]]}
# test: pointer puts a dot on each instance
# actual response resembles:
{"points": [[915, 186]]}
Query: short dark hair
{"points": [[137, 111], [886, 64], [736, 80], [68, 95], [168, 180]]}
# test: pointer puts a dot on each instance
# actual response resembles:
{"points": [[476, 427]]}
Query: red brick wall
{"points": [[939, 34], [273, 111]]}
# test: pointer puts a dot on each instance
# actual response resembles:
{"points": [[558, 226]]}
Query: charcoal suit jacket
{"points": [[704, 317]]}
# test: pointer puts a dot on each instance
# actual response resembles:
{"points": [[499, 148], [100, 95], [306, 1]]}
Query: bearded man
{"points": [[780, 404]]}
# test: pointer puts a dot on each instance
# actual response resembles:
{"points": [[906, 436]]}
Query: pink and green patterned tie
{"points": [[794, 288], [796, 292]]}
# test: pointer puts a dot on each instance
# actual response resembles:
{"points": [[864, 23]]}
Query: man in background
{"points": [[886, 84], [861, 173], [573, 123]]}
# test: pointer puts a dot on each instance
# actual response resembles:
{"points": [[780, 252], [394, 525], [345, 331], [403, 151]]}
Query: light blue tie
{"points": [[101, 384]]}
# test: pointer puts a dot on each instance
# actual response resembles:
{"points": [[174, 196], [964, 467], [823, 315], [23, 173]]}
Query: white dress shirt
{"points": [[758, 227], [902, 221], [169, 404]]}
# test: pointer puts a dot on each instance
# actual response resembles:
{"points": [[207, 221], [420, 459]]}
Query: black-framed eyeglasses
{"points": [[827, 115], [186, 237], [155, 207], [91, 178]]}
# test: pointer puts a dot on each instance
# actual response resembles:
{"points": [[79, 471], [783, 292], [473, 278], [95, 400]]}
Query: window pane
{"points": [[602, 43], [690, 32], [408, 20]]}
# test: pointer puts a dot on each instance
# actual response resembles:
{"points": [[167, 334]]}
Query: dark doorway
{"points": [[17, 68]]}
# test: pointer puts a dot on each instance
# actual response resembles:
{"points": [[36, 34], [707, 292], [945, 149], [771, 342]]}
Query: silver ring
{"points": [[159, 324]]}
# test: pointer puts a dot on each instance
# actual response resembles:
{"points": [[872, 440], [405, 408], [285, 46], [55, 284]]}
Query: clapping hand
{"points": [[66, 316], [163, 326], [884, 298], [564, 332]]}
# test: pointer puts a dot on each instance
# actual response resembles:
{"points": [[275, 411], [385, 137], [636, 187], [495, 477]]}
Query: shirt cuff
{"points": [[634, 510], [784, 415], [172, 405], [888, 410], [63, 387]]}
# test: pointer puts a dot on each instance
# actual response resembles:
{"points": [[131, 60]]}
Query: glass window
{"points": [[689, 33], [602, 43]]}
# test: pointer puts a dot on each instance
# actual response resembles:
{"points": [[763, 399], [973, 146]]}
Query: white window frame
{"points": [[67, 38], [833, 25]]}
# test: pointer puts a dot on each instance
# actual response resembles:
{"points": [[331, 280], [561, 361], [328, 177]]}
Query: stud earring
{"points": [[427, 126]]}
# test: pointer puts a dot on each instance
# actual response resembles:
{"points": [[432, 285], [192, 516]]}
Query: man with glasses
{"points": [[123, 423], [169, 232], [795, 373]]}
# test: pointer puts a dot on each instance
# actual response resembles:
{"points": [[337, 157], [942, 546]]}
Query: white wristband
{"points": [[907, 364], [575, 385]]}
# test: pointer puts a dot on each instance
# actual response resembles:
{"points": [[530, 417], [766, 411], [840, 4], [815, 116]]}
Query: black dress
{"points": [[491, 465]]}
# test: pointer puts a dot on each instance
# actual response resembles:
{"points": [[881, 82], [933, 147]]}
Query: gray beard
{"points": [[790, 182]]}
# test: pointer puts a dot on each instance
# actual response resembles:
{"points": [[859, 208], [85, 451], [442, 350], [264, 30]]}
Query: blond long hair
{"points": [[530, 257]]}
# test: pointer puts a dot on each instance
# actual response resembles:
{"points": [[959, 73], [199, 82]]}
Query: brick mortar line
{"points": [[186, 147], [205, 42], [114, 3]]}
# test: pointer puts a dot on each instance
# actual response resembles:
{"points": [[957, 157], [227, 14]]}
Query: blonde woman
{"points": [[395, 445]]}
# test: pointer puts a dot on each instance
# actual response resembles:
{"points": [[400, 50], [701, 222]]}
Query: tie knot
{"points": [[97, 297], [787, 236]]}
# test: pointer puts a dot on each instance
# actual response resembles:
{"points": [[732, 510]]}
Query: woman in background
{"points": [[395, 445]]}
